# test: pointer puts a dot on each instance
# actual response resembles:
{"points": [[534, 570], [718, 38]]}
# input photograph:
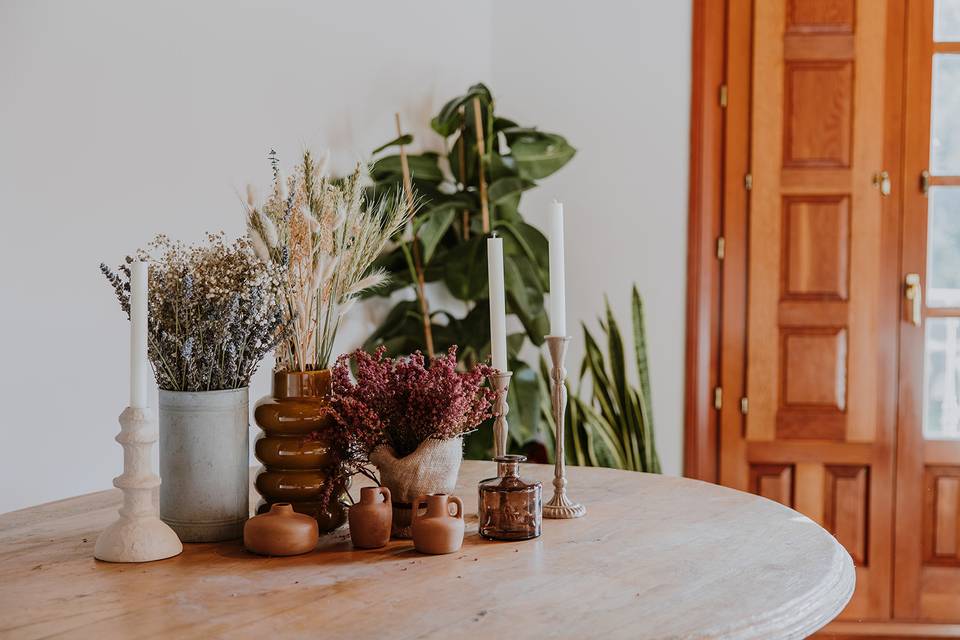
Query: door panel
{"points": [[927, 571], [819, 429]]}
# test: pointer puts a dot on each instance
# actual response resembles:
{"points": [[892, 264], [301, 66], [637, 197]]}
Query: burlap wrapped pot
{"points": [[432, 468]]}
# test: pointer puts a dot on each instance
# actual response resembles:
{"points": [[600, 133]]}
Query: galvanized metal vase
{"points": [[204, 463]]}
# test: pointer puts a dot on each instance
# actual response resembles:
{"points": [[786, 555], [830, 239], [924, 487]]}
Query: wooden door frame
{"points": [[701, 441]]}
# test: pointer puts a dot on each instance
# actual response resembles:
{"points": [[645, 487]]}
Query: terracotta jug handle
{"points": [[457, 501], [385, 492], [416, 507]]}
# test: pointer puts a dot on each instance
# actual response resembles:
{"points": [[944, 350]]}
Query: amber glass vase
{"points": [[510, 507], [295, 466]]}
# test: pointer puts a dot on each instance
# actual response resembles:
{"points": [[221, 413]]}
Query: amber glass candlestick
{"points": [[560, 506]]}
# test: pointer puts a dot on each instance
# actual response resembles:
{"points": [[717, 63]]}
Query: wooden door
{"points": [[820, 403], [927, 571]]}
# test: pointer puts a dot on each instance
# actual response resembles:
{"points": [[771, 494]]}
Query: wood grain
{"points": [[655, 557]]}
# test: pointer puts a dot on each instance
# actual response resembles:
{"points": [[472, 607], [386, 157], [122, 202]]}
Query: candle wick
{"points": [[493, 234]]}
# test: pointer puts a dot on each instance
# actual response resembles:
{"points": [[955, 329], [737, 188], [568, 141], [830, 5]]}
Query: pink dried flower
{"points": [[401, 402]]}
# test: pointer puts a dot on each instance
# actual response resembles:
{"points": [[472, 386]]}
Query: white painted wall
{"points": [[121, 120], [614, 78]]}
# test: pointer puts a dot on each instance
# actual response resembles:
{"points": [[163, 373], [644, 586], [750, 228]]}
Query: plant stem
{"points": [[463, 168], [417, 261], [481, 153]]}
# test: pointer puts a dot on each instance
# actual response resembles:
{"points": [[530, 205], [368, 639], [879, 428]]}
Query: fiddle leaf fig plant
{"points": [[470, 190]]}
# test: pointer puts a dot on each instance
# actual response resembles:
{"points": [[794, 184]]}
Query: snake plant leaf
{"points": [[643, 375], [396, 142], [539, 155]]}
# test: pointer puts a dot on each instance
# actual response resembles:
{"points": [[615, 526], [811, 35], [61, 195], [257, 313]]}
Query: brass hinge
{"points": [[723, 96], [748, 182], [744, 405], [717, 398], [721, 248], [924, 182]]}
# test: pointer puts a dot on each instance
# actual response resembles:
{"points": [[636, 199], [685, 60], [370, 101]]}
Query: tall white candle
{"points": [[558, 305], [139, 367], [498, 305]]}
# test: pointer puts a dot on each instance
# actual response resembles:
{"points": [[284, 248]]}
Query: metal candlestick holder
{"points": [[501, 383], [560, 506]]}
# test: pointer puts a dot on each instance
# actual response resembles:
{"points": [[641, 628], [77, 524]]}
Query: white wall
{"points": [[118, 121], [614, 78]]}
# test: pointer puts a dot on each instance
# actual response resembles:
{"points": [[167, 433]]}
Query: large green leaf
{"points": [[465, 272], [423, 167], [509, 187], [539, 155], [396, 142], [432, 224], [448, 120]]}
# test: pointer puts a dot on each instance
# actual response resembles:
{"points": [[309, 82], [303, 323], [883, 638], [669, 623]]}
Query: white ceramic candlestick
{"points": [[560, 506], [501, 430], [138, 535]]}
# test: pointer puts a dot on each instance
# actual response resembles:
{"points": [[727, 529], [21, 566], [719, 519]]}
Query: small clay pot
{"points": [[437, 531], [281, 532], [371, 518]]}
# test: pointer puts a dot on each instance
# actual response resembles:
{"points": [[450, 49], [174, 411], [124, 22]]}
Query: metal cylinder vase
{"points": [[204, 463]]}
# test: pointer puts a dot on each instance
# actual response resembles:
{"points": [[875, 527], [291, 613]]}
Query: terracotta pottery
{"points": [[370, 519], [281, 532], [438, 530], [295, 466]]}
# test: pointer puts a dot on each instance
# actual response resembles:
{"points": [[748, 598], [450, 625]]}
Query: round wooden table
{"points": [[655, 557]]}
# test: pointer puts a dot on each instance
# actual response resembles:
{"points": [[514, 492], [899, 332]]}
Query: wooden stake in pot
{"points": [[417, 258], [481, 151]]}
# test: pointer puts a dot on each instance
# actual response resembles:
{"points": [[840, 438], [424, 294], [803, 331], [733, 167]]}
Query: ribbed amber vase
{"points": [[295, 465]]}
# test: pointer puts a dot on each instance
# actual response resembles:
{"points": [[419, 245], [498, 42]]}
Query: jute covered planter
{"points": [[204, 463], [432, 468]]}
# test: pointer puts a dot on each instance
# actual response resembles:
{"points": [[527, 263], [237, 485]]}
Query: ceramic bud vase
{"points": [[439, 530], [204, 463], [295, 463], [370, 519], [281, 532]]}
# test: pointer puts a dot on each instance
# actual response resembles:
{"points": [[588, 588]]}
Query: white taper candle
{"points": [[139, 367], [498, 305], [558, 310]]}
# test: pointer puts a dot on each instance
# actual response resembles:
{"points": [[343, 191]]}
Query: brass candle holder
{"points": [[560, 506], [501, 383]]}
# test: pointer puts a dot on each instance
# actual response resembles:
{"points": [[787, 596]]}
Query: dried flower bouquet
{"points": [[325, 236], [402, 403], [214, 311]]}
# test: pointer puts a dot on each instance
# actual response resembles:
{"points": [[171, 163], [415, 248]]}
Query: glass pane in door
{"points": [[941, 384], [943, 247], [945, 115], [946, 20]]}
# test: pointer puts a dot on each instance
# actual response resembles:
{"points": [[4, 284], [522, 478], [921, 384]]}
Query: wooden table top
{"points": [[655, 557]]}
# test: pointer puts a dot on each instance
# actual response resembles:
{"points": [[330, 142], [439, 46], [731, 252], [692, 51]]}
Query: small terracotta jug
{"points": [[371, 518], [437, 531], [281, 532]]}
